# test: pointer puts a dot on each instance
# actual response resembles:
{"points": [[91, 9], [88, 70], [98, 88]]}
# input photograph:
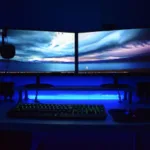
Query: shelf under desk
{"points": [[127, 91]]}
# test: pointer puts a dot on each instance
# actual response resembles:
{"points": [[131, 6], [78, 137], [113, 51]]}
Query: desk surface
{"points": [[47, 125]]}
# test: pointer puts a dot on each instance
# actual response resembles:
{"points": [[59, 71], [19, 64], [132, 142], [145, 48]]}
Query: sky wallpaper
{"points": [[40, 51], [116, 50], [103, 51]]}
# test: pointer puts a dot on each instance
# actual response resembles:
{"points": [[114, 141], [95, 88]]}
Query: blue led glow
{"points": [[76, 97]]}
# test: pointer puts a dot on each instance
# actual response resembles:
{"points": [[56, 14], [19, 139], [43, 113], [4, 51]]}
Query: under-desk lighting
{"points": [[76, 97]]}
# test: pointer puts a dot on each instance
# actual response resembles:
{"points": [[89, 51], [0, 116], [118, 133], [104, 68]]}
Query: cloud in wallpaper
{"points": [[42, 50], [115, 50]]}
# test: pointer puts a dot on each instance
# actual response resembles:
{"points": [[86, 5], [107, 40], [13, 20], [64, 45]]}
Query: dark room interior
{"points": [[89, 76]]}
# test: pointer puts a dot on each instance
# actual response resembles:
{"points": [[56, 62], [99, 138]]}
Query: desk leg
{"points": [[26, 95], [137, 142], [20, 96], [130, 97], [37, 140]]}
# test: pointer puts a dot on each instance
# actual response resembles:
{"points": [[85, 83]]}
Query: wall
{"points": [[73, 15]]}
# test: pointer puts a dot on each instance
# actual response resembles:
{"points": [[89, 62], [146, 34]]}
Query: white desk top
{"points": [[47, 125]]}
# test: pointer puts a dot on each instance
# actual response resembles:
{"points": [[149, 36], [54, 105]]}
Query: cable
{"points": [[36, 96], [6, 67], [119, 95], [116, 84], [37, 91]]}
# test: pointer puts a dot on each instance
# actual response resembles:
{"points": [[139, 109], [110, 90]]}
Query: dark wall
{"points": [[74, 15]]}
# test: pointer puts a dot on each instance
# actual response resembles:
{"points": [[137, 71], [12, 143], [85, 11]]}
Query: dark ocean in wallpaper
{"points": [[117, 50], [40, 51], [36, 67]]}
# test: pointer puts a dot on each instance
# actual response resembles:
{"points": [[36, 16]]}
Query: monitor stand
{"points": [[117, 86], [37, 86]]}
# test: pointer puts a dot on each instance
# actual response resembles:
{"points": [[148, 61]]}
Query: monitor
{"points": [[41, 52], [115, 51]]}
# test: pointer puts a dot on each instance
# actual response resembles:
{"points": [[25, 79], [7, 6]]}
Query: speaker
{"points": [[7, 90], [143, 92], [7, 51]]}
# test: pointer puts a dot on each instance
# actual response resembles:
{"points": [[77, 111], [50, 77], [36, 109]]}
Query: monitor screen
{"points": [[116, 51], [40, 52]]}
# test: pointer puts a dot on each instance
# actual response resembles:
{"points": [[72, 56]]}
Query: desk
{"points": [[127, 91], [67, 126], [47, 125]]}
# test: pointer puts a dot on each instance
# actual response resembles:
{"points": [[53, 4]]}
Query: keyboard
{"points": [[58, 111], [139, 115]]}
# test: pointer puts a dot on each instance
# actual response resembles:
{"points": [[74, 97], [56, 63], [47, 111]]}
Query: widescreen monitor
{"points": [[40, 52], [115, 51]]}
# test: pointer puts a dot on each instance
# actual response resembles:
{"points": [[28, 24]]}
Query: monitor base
{"points": [[41, 85], [36, 87], [119, 86]]}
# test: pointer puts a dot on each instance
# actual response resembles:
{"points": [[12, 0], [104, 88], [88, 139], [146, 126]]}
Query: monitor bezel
{"points": [[76, 72], [57, 73], [109, 72]]}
